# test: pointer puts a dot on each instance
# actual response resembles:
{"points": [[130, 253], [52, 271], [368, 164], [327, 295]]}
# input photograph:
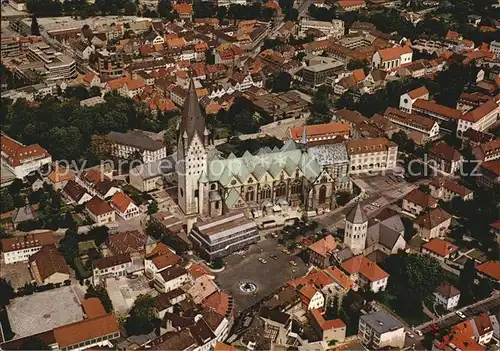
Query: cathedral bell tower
{"points": [[192, 141]]}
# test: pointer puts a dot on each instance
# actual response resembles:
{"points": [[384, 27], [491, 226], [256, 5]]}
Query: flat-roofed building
{"points": [[379, 330], [319, 70], [335, 28], [223, 235], [54, 65], [376, 154]]}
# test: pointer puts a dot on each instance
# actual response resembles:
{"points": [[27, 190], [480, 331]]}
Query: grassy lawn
{"points": [[79, 221], [478, 255]]}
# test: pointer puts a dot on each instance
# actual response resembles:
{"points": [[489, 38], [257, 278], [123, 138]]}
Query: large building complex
{"points": [[224, 235]]}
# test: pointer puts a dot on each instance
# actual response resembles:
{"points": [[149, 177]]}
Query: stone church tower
{"points": [[356, 228], [192, 142]]}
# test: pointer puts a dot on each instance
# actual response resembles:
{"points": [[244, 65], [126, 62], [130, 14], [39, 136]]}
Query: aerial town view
{"points": [[224, 175]]}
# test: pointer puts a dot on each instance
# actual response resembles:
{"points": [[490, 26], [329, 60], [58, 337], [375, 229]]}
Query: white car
{"points": [[262, 260], [410, 334], [418, 332], [461, 314]]}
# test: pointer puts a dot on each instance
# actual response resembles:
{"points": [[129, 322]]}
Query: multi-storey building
{"points": [[413, 122], [366, 274], [109, 63], [489, 175], [319, 70], [334, 29], [407, 99], [372, 155], [224, 235], [126, 145], [380, 330], [386, 59], [20, 248], [318, 134], [21, 159], [445, 157], [480, 118], [55, 65], [99, 211], [447, 295], [111, 266]]}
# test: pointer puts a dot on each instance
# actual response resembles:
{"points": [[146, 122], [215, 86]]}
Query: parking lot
{"points": [[268, 277], [18, 273]]}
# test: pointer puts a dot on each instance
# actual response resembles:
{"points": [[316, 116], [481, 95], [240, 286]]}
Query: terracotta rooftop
{"points": [[127, 242], [492, 166], [326, 324], [17, 153], [339, 277], [417, 93], [324, 246], [87, 329], [448, 290], [440, 247], [29, 240], [111, 261], [93, 307], [364, 266], [432, 107], [98, 206], [362, 146], [491, 269], [480, 112], [452, 186], [121, 201], [394, 53], [432, 218], [446, 152], [420, 198], [320, 130], [49, 261]]}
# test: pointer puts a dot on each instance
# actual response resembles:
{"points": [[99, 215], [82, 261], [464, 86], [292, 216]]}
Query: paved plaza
{"points": [[243, 268], [44, 311]]}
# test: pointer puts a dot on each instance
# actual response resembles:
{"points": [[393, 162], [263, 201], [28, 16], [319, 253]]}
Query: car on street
{"points": [[286, 251], [274, 235], [418, 332], [434, 327], [461, 314], [293, 263], [274, 257], [410, 334], [262, 260]]}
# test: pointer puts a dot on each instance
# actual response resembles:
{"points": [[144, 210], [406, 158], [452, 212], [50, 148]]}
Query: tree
{"points": [[102, 294], [35, 30], [412, 279], [320, 107], [6, 200], [6, 292], [165, 8], [154, 230], [409, 231], [153, 207], [466, 282], [356, 64], [141, 318], [130, 8], [34, 343], [279, 82], [424, 188], [343, 198]]}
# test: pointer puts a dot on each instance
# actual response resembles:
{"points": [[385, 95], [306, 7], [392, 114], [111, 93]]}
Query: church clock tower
{"points": [[192, 141], [356, 228]]}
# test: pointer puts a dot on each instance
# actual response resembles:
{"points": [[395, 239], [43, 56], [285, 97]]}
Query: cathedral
{"points": [[210, 185]]}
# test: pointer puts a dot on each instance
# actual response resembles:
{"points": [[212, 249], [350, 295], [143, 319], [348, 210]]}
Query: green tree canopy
{"points": [[102, 294], [6, 292], [141, 318]]}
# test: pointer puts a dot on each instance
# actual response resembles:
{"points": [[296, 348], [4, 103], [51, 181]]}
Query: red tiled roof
{"points": [[394, 53], [87, 329], [49, 261], [446, 152], [448, 290], [432, 218], [29, 240], [219, 302], [364, 266], [324, 246], [197, 270], [433, 107], [320, 129], [481, 111], [340, 277], [491, 269], [416, 93], [93, 307], [98, 206], [326, 324], [121, 201], [492, 166], [350, 3], [18, 153], [440, 247], [420, 198]]}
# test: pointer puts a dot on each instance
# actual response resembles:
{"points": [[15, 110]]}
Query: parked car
{"points": [[293, 263], [435, 327], [286, 251], [461, 314], [418, 332], [274, 257], [262, 260], [410, 334]]}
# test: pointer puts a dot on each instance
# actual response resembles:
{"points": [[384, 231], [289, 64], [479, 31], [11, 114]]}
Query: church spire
{"points": [[192, 121]]}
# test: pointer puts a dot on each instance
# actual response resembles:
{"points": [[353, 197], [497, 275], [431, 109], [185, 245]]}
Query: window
{"points": [[322, 194], [281, 189], [196, 193], [213, 186], [216, 205], [265, 192], [296, 187]]}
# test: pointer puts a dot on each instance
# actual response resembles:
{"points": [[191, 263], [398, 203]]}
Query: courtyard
{"points": [[245, 267], [44, 311], [17, 273], [123, 291]]}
